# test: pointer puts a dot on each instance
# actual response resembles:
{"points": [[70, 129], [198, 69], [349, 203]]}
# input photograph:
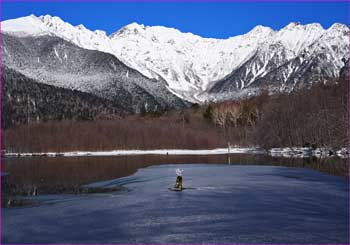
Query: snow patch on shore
{"points": [[296, 152], [217, 151], [301, 152]]}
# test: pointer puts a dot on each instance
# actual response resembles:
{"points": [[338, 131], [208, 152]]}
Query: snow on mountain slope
{"points": [[192, 65], [25, 26], [297, 56], [186, 61], [55, 61], [48, 25], [295, 37]]}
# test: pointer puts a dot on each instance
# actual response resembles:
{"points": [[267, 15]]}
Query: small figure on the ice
{"points": [[178, 184]]}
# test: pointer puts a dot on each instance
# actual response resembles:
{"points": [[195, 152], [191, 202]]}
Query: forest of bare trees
{"points": [[305, 118], [315, 117]]}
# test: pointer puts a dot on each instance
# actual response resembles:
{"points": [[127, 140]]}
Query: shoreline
{"points": [[274, 152]]}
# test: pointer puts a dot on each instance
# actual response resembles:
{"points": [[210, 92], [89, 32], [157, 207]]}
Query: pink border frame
{"points": [[165, 1]]}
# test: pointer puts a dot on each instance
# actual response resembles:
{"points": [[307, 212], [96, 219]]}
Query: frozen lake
{"points": [[225, 204]]}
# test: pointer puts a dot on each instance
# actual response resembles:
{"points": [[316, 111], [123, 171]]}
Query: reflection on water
{"points": [[37, 175]]}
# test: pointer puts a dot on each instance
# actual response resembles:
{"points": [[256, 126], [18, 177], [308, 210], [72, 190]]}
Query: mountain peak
{"points": [[292, 26], [30, 25], [298, 26], [132, 28], [338, 27], [134, 25], [314, 26], [295, 23], [81, 27], [259, 29], [50, 19]]}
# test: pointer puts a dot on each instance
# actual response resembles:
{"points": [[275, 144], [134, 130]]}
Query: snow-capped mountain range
{"points": [[197, 69]]}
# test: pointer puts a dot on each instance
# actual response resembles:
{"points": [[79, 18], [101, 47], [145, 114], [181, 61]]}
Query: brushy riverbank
{"points": [[315, 117]]}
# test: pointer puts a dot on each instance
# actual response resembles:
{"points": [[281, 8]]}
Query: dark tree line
{"points": [[314, 117], [25, 101], [307, 117]]}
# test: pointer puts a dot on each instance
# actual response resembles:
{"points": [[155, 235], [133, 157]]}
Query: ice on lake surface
{"points": [[225, 204]]}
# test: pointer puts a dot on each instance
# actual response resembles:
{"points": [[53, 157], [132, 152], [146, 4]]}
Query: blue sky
{"points": [[207, 19]]}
